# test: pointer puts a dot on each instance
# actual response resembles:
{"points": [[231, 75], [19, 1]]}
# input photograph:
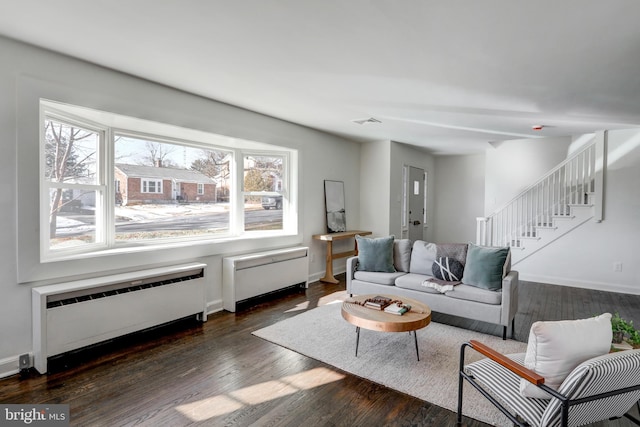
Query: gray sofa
{"points": [[413, 278]]}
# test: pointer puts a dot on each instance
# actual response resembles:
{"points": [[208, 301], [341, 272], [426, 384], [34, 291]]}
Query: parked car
{"points": [[272, 202]]}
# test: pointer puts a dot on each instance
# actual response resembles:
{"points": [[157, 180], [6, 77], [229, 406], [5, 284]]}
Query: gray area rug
{"points": [[389, 358]]}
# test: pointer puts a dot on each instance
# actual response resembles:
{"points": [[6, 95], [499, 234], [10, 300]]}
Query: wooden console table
{"points": [[330, 238]]}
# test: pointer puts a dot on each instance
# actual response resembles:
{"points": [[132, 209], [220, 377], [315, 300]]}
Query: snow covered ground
{"points": [[151, 212], [141, 213]]}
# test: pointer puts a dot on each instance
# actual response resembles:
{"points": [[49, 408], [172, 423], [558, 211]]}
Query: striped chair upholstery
{"points": [[609, 373]]}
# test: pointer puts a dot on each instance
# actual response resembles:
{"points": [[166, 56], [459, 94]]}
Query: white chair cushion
{"points": [[557, 348]]}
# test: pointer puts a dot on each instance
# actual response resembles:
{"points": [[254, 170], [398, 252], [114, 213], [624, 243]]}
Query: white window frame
{"points": [[282, 184], [144, 186], [105, 212], [200, 190], [101, 190]]}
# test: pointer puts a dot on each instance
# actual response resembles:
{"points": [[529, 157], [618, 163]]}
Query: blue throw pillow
{"points": [[375, 254], [485, 267]]}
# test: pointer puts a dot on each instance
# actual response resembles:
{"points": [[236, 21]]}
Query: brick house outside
{"points": [[137, 184]]}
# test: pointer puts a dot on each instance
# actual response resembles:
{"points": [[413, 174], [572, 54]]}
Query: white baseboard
{"points": [[597, 286], [315, 277], [9, 366], [214, 306], [339, 270]]}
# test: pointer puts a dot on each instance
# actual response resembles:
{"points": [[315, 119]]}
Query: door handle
{"points": [[416, 222]]}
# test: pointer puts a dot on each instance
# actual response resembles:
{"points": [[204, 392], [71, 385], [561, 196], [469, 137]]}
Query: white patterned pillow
{"points": [[557, 348], [448, 269]]}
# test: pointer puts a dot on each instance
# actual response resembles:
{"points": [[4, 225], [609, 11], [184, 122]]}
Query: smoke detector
{"points": [[370, 120]]}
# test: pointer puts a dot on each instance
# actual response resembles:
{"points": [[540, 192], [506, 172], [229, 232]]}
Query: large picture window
{"points": [[109, 188]]}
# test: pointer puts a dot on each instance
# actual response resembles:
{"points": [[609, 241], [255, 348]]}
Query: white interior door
{"points": [[416, 203]]}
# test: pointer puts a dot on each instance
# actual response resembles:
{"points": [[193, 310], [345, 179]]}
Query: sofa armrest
{"points": [[510, 285], [352, 264]]}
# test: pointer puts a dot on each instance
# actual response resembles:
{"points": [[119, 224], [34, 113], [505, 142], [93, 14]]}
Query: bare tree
{"points": [[214, 164], [64, 161], [157, 154]]}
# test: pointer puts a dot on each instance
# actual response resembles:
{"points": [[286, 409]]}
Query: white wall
{"points": [[375, 170], [585, 257], [460, 194], [330, 160], [28, 73], [406, 155], [381, 168], [514, 165]]}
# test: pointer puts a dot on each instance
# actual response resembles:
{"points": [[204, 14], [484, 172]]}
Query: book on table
{"points": [[397, 309], [378, 302]]}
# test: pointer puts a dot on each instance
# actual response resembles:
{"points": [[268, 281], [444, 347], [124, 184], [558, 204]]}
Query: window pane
{"points": [[70, 153], [72, 217], [262, 213], [263, 173], [170, 190]]}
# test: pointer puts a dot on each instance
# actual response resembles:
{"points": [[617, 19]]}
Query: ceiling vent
{"points": [[368, 121]]}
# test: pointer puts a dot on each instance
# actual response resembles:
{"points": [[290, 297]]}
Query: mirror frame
{"points": [[334, 206]]}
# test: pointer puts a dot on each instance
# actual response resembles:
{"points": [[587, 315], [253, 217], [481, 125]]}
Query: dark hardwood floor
{"points": [[218, 374]]}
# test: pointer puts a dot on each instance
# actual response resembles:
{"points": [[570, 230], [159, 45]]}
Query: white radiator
{"points": [[251, 275], [72, 315]]}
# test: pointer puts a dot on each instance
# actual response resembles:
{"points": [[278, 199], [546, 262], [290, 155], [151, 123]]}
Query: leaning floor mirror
{"points": [[334, 203]]}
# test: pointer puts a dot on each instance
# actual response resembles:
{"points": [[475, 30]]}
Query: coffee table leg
{"points": [[415, 336], [357, 339]]}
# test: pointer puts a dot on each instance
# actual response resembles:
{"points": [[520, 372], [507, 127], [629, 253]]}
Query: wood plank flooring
{"points": [[218, 374]]}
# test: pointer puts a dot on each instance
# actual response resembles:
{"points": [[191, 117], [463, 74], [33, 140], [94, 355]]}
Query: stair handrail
{"points": [[541, 179]]}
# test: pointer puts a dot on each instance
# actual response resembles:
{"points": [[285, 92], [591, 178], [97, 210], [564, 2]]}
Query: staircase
{"points": [[562, 200]]}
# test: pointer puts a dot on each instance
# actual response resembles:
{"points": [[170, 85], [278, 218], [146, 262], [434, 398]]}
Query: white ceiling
{"points": [[449, 76]]}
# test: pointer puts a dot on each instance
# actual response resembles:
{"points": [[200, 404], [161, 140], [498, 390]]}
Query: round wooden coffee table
{"points": [[376, 320]]}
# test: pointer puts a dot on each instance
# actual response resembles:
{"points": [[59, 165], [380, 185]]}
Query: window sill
{"points": [[217, 246]]}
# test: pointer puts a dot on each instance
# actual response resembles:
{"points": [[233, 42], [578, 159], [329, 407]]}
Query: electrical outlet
{"points": [[25, 361], [617, 266]]}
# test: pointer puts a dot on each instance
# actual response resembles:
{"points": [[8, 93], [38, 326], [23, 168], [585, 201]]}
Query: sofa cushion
{"points": [[375, 254], [557, 348], [414, 281], [378, 278], [402, 254], [422, 257], [449, 269], [485, 267], [457, 251], [472, 293]]}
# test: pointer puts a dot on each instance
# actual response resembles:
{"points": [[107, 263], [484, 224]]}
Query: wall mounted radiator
{"points": [[72, 315], [251, 275]]}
